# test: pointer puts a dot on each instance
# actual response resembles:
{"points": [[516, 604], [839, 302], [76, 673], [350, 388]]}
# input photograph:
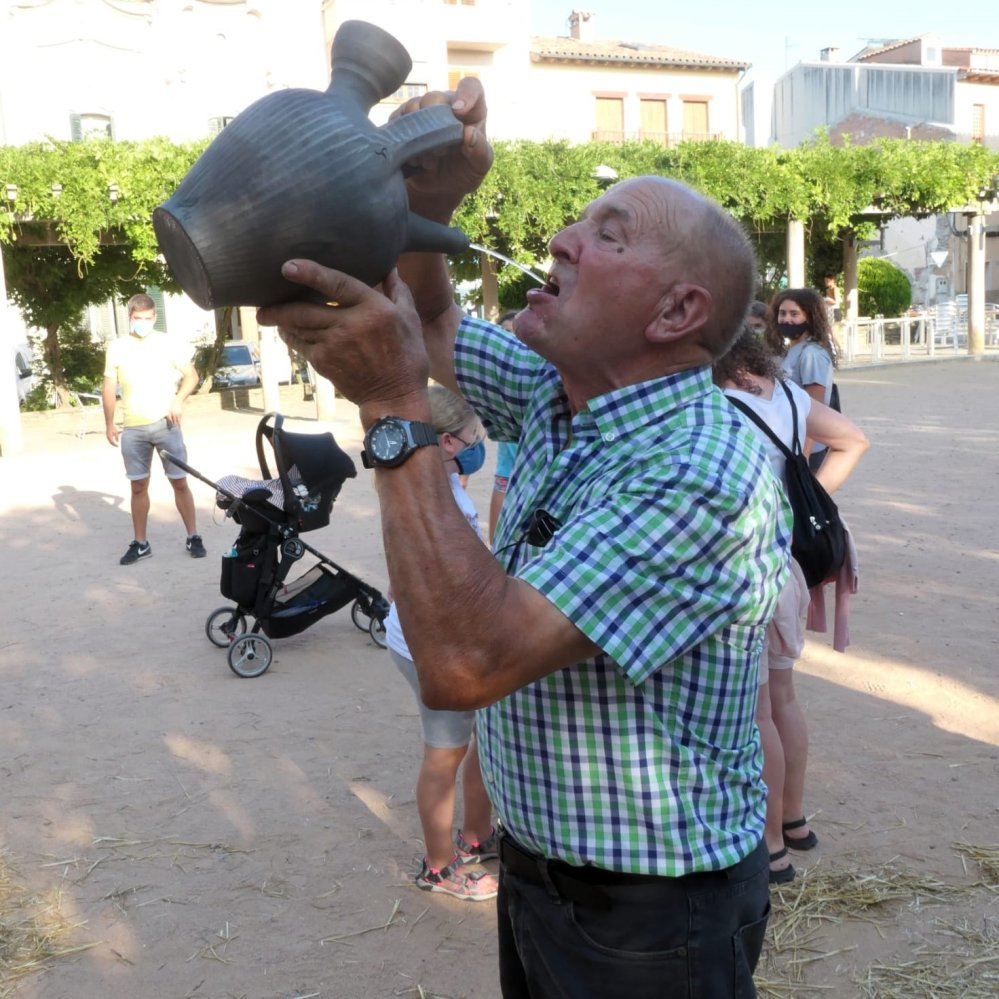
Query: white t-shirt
{"points": [[148, 370], [776, 414], [393, 629]]}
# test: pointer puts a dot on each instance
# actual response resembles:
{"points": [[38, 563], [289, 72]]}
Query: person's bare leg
{"points": [[435, 798], [789, 719], [140, 508], [773, 777], [477, 809], [184, 499]]}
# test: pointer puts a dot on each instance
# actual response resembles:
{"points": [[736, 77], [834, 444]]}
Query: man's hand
{"points": [[367, 341], [112, 434], [176, 411], [443, 179]]}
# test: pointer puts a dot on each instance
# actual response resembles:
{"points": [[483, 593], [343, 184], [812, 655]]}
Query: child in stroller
{"points": [[311, 468]]}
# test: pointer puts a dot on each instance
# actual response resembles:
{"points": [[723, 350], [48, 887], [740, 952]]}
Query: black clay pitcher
{"points": [[301, 173]]}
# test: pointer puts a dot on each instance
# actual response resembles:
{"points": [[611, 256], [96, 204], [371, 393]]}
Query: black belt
{"points": [[584, 884]]}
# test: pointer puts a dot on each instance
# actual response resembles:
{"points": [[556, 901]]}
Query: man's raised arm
{"points": [[435, 192]]}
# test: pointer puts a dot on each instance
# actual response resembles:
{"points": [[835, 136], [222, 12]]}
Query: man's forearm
{"points": [[428, 279], [108, 402]]}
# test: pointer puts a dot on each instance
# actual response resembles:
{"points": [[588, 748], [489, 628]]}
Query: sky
{"points": [[775, 34]]}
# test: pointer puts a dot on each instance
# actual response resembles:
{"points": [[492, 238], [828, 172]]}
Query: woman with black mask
{"points": [[799, 333]]}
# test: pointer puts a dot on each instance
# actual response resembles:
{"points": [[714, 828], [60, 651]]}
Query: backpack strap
{"points": [[795, 448]]}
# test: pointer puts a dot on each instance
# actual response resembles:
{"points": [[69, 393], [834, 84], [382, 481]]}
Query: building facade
{"points": [[134, 69], [913, 88]]}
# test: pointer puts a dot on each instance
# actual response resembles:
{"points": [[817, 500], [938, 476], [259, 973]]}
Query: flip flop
{"points": [[808, 842], [786, 874]]}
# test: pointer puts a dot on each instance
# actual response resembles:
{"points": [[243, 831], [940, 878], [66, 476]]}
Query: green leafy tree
{"points": [[45, 284], [79, 230], [882, 288]]}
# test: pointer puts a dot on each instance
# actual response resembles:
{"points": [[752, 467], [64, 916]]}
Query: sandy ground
{"points": [[218, 837]]}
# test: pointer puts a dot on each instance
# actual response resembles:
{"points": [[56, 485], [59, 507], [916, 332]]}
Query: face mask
{"points": [[792, 330], [471, 459], [141, 327]]}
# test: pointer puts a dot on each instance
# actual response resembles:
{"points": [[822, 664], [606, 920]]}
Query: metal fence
{"points": [[941, 331]]}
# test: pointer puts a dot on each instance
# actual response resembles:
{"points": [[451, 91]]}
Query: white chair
{"points": [[81, 399]]}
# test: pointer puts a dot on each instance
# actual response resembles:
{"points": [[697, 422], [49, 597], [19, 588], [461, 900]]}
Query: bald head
{"points": [[706, 246]]}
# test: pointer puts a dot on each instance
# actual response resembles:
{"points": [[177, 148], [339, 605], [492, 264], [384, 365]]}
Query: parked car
{"points": [[238, 366], [26, 379]]}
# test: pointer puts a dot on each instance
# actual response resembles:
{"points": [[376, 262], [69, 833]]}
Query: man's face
{"points": [[141, 321], [609, 278]]}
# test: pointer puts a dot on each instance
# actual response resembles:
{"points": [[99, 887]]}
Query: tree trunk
{"points": [[53, 361], [223, 324]]}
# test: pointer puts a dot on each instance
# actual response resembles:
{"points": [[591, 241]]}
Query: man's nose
{"points": [[565, 242]]}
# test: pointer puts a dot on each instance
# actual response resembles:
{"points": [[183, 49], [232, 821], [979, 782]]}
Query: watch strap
{"points": [[420, 435]]}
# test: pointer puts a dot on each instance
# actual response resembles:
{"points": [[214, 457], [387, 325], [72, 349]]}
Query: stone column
{"points": [[795, 253], [850, 297], [976, 285], [11, 441], [490, 288]]}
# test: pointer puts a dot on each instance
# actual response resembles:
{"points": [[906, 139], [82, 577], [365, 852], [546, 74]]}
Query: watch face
{"points": [[387, 441]]}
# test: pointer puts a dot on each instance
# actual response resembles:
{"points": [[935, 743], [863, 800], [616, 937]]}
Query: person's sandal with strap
{"points": [[808, 842], [478, 887], [475, 853], [785, 874]]}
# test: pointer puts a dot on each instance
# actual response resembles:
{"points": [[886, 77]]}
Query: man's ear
{"points": [[685, 309]]}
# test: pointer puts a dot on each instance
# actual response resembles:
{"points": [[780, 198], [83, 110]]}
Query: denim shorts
{"points": [[138, 443]]}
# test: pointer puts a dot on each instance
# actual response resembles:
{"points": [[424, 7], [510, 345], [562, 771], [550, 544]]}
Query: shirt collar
{"points": [[628, 409]]}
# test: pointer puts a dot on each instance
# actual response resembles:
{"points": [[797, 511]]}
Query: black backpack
{"points": [[818, 543]]}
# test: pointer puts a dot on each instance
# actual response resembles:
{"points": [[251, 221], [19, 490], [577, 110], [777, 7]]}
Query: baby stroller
{"points": [[272, 514]]}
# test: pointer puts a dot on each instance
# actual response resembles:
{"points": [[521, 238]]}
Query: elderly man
{"points": [[613, 641]]}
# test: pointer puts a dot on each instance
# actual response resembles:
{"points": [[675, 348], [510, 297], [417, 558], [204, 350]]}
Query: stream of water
{"points": [[513, 263]]}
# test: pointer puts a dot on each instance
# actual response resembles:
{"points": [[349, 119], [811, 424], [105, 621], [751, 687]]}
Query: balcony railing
{"points": [[936, 332], [667, 139]]}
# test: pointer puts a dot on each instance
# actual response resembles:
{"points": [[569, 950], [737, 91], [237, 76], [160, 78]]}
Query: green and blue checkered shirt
{"points": [[672, 550]]}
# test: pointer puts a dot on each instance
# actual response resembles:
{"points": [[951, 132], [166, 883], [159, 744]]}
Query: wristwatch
{"points": [[391, 440]]}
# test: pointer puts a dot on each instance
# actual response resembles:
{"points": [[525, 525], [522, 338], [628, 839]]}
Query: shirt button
{"points": [[610, 436]]}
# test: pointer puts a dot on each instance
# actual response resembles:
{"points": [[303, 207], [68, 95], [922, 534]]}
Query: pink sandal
{"points": [[478, 887]]}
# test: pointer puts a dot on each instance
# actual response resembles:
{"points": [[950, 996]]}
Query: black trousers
{"points": [[579, 933]]}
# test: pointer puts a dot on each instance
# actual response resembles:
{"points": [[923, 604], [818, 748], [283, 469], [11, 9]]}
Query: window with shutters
{"points": [[610, 119], [215, 125], [653, 122], [978, 124], [406, 92], [695, 118], [456, 73], [90, 126]]}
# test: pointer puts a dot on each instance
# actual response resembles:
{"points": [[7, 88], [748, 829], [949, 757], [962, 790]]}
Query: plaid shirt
{"points": [[671, 554]]}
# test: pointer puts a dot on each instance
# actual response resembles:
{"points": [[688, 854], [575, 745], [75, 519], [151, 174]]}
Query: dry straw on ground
{"points": [[32, 931], [967, 968]]}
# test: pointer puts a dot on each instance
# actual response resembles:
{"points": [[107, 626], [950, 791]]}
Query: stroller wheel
{"points": [[376, 629], [250, 655], [223, 625], [360, 616]]}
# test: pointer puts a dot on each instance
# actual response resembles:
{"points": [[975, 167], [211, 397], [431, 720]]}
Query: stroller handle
{"points": [[173, 459]]}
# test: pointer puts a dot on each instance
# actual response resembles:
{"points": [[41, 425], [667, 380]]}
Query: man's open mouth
{"points": [[550, 287]]}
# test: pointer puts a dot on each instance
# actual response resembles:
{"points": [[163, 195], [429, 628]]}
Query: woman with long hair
{"points": [[750, 373], [799, 332]]}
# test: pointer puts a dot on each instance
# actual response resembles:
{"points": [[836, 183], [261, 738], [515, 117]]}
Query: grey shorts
{"points": [[441, 729], [138, 443]]}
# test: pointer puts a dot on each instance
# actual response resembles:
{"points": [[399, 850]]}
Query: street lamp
{"points": [[56, 190], [113, 193], [12, 193]]}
